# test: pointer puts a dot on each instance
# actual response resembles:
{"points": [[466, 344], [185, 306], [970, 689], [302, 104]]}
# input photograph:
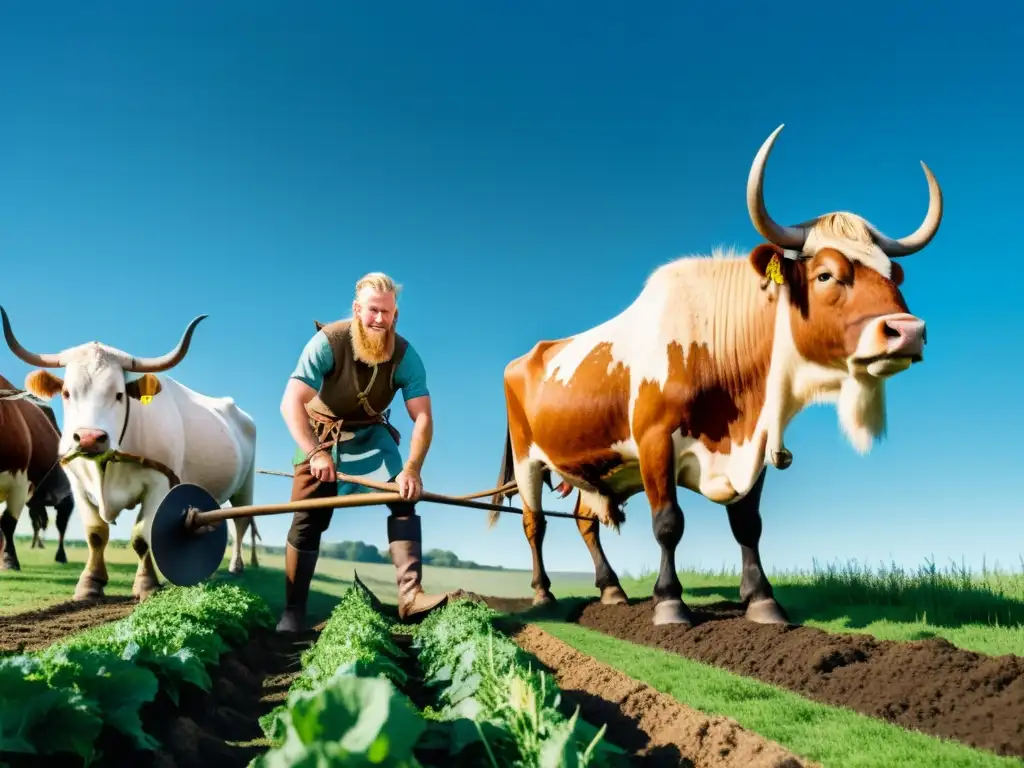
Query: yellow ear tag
{"points": [[146, 399], [774, 269]]}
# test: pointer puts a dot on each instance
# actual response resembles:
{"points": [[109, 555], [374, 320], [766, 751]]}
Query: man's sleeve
{"points": [[411, 375], [315, 362]]}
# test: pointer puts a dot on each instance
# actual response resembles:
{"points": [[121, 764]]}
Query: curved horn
{"points": [[915, 242], [40, 361], [784, 237], [171, 359]]}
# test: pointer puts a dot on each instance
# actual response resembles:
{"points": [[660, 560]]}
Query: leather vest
{"points": [[353, 394]]}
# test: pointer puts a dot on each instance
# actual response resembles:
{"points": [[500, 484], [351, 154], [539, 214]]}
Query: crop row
{"points": [[484, 704], [86, 695]]}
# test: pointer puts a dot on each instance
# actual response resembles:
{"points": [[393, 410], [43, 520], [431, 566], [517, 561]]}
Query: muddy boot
{"points": [[405, 543], [298, 571]]}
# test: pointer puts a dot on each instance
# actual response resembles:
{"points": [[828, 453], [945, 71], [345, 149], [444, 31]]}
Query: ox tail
{"points": [[253, 533], [505, 474]]}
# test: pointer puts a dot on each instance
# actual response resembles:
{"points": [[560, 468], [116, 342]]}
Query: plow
{"points": [[187, 535]]}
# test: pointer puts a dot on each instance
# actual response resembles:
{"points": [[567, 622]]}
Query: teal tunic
{"points": [[372, 453]]}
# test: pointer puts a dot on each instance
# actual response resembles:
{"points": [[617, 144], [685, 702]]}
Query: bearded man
{"points": [[336, 408]]}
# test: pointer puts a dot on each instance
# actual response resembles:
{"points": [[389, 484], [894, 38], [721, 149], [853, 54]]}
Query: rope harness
{"points": [[102, 459], [111, 456]]}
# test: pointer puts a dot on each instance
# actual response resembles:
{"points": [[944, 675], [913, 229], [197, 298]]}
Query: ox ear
{"points": [[43, 384], [144, 387], [762, 255], [896, 274]]}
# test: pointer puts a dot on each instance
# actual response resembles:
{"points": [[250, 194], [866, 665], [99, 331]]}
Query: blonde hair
{"points": [[378, 281]]}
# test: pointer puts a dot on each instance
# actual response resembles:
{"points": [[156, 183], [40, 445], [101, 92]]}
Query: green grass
{"points": [[42, 582], [829, 735], [982, 612]]}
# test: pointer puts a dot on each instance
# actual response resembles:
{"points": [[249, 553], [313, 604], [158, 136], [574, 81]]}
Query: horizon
{"points": [[520, 172]]}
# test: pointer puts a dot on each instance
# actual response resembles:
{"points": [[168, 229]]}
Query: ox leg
{"points": [[241, 526], [16, 499], [94, 576], [146, 582], [40, 520], [253, 560], [657, 467], [529, 478], [535, 526], [755, 590], [9, 560], [243, 498], [605, 579], [64, 509]]}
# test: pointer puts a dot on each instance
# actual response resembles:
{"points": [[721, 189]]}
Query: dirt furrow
{"points": [[659, 730], [928, 685], [34, 630]]}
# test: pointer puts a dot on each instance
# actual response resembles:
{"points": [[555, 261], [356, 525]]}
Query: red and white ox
{"points": [[30, 474], [694, 383], [208, 441]]}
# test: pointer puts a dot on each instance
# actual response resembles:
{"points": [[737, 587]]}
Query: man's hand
{"points": [[321, 466], [409, 484]]}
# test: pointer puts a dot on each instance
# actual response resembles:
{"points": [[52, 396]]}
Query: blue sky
{"points": [[520, 169]]}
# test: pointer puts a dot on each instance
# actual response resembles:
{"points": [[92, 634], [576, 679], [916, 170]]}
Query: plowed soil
{"points": [[37, 629], [654, 726], [927, 685]]}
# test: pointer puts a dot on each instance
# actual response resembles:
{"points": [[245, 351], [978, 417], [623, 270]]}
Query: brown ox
{"points": [[29, 472], [693, 385]]}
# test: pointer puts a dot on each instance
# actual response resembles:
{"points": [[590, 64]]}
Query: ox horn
{"points": [[40, 361], [784, 237], [915, 242], [171, 359]]}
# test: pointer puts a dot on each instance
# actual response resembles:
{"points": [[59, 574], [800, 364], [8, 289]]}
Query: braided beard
{"points": [[371, 346]]}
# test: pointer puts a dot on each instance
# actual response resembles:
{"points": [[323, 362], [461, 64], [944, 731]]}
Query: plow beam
{"points": [[188, 536]]}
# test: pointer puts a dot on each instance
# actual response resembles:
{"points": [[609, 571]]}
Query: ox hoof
{"points": [[143, 595], [672, 612], [766, 612], [613, 596], [9, 564], [60, 557], [782, 459], [144, 590], [544, 598], [89, 588], [236, 568]]}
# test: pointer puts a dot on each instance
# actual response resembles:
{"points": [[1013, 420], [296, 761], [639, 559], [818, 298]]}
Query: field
{"points": [[885, 668]]}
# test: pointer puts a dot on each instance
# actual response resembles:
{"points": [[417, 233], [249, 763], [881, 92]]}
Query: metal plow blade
{"points": [[374, 600]]}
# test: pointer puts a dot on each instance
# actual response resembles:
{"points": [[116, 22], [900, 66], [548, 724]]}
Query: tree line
{"points": [[352, 551]]}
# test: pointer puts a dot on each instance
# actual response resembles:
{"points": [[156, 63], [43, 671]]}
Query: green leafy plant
{"points": [[60, 699], [355, 641], [484, 678], [347, 720], [348, 706], [31, 709]]}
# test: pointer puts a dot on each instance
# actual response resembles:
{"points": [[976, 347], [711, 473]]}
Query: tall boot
{"points": [[405, 544], [298, 573]]}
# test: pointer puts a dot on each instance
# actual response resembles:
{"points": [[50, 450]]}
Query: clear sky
{"points": [[521, 168]]}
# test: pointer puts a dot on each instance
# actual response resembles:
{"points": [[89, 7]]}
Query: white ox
{"points": [[208, 441]]}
